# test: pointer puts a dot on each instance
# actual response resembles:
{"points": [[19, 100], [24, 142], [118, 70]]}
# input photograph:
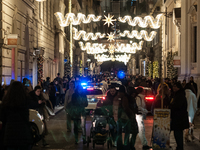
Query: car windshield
{"points": [[93, 92]]}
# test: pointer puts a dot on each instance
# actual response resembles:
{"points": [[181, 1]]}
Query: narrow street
{"points": [[60, 139]]}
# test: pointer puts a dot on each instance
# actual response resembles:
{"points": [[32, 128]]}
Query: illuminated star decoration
{"points": [[108, 20], [111, 49], [110, 37]]}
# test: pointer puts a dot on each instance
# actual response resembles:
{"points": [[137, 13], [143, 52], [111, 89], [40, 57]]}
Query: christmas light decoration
{"points": [[110, 37], [87, 36], [139, 35], [71, 18], [143, 23], [123, 58], [108, 20], [94, 48]]}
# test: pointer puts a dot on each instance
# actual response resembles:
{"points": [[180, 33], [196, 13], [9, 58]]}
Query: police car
{"points": [[94, 94]]}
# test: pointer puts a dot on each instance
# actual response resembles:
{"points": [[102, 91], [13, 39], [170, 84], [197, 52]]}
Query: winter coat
{"points": [[194, 85], [179, 114], [192, 104], [78, 104], [16, 127], [68, 98], [109, 99], [141, 104]]}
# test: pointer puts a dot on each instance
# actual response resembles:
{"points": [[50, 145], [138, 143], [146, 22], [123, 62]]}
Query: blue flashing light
{"points": [[121, 75], [84, 84]]}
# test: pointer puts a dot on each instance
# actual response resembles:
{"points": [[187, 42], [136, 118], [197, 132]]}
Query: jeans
{"points": [[69, 122], [178, 134], [123, 134], [141, 128], [76, 127]]}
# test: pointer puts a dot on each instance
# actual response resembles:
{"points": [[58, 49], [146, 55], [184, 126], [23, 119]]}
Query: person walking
{"points": [[77, 111], [142, 111], [52, 94], [15, 118], [191, 108], [122, 115], [67, 103], [194, 85], [179, 114], [133, 106], [58, 93]]}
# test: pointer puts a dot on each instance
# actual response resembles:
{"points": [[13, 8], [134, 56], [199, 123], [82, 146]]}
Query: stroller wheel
{"points": [[93, 144]]}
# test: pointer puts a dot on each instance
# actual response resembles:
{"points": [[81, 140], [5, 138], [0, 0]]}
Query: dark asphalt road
{"points": [[60, 139]]}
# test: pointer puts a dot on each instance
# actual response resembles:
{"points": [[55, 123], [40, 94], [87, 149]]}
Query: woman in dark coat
{"points": [[179, 114], [15, 119]]}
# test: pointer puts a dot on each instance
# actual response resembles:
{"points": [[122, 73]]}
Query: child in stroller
{"points": [[99, 130]]}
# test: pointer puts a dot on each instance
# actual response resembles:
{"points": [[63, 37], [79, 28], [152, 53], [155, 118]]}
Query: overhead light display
{"points": [[121, 58], [93, 48], [71, 18], [40, 0], [143, 23], [110, 37], [108, 20], [87, 36], [139, 35]]}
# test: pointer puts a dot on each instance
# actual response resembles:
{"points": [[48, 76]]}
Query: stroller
{"points": [[99, 130]]}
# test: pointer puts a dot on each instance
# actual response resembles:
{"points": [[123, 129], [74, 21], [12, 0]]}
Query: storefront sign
{"points": [[12, 40], [161, 129], [177, 61]]}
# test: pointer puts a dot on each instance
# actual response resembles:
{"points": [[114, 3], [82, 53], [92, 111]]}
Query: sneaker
{"points": [[46, 145], [84, 142], [146, 147]]}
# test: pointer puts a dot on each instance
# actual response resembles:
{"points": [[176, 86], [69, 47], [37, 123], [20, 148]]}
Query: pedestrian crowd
{"points": [[126, 108]]}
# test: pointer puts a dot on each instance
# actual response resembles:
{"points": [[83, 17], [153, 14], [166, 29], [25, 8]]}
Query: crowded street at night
{"points": [[100, 74]]}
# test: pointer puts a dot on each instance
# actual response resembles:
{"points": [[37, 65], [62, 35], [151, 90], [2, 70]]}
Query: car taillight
{"points": [[102, 97], [149, 98]]}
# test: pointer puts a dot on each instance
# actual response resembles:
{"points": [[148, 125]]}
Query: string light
{"points": [[87, 36], [143, 23], [122, 58], [40, 0], [110, 37], [94, 48], [71, 18], [108, 20], [139, 35]]}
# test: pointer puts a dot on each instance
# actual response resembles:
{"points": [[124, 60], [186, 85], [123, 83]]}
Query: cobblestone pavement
{"points": [[60, 139]]}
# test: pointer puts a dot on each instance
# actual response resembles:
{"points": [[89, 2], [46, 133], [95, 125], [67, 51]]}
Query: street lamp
{"points": [[38, 51]]}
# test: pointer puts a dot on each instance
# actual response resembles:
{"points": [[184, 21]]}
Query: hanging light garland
{"points": [[110, 37], [71, 18], [121, 58], [108, 20], [129, 48], [87, 36], [94, 48], [139, 35], [143, 23]]}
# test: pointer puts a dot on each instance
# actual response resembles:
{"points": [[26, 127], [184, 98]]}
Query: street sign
{"points": [[12, 40], [177, 61], [161, 129]]}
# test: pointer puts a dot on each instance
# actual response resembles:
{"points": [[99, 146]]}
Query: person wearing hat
{"points": [[179, 114]]}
